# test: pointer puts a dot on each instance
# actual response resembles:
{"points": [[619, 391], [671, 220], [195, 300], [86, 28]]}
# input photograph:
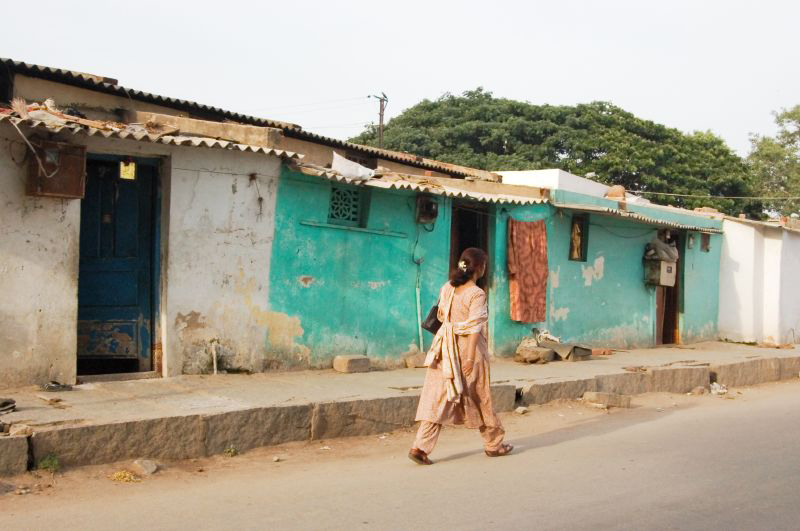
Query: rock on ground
{"points": [[607, 399], [144, 467], [415, 361], [351, 364]]}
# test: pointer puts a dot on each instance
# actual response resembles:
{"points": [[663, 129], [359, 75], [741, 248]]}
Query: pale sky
{"points": [[722, 66]]}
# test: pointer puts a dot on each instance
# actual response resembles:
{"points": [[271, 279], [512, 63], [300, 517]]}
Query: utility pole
{"points": [[383, 99]]}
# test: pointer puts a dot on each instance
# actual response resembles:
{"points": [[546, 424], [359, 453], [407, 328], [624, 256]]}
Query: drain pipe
{"points": [[214, 354], [419, 311]]}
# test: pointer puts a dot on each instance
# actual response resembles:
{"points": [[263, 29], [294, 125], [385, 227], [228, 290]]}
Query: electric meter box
{"points": [[59, 170], [660, 273]]}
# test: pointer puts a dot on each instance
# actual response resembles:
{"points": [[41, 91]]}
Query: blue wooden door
{"points": [[116, 268]]}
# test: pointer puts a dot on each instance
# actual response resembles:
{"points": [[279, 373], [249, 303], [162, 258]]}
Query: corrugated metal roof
{"points": [[455, 188], [635, 216], [101, 84], [141, 136]]}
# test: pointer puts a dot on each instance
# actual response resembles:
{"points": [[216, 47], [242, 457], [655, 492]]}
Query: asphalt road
{"points": [[671, 462]]}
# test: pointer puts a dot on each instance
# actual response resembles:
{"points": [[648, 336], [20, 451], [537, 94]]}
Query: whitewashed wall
{"points": [[759, 287], [38, 277], [790, 289], [216, 247], [220, 242]]}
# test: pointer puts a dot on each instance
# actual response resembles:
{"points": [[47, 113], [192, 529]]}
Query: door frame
{"points": [[671, 299], [486, 213], [156, 256]]}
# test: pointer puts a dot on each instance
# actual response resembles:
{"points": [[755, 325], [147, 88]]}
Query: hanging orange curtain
{"points": [[527, 270]]}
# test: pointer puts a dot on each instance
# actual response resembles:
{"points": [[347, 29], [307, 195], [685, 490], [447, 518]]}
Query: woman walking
{"points": [[456, 389]]}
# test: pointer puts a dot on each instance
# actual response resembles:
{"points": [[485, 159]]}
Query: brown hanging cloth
{"points": [[527, 270]]}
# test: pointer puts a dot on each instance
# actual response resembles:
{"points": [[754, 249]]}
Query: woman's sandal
{"points": [[505, 449], [419, 457]]}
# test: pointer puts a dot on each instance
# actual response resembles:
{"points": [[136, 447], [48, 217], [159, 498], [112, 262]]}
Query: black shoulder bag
{"points": [[432, 322]]}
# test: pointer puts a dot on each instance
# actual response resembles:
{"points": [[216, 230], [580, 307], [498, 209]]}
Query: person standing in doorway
{"points": [[456, 389]]}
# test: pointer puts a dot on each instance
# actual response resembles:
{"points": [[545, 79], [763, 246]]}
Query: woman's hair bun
{"points": [[471, 260]]}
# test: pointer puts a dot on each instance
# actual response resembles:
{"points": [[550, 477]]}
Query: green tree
{"points": [[479, 130], [775, 163]]}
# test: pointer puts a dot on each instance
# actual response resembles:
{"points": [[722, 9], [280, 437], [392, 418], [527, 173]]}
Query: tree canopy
{"points": [[775, 163], [481, 131]]}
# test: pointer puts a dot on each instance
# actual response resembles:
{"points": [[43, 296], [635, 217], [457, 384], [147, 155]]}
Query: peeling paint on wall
{"points": [[282, 329], [556, 314], [595, 272]]}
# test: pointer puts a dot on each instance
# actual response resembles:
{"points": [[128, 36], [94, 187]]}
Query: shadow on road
{"points": [[588, 428]]}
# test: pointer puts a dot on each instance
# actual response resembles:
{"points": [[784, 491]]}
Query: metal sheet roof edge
{"points": [[171, 140], [635, 216], [431, 187]]}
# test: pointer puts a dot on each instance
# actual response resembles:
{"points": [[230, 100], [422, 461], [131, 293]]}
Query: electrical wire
{"points": [[354, 124], [788, 198]]}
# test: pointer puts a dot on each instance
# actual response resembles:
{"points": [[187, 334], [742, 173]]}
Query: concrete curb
{"points": [[661, 379], [181, 437], [13, 455]]}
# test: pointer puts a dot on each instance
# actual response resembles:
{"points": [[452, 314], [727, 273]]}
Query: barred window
{"points": [[347, 206]]}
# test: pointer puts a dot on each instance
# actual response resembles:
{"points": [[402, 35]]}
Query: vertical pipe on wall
{"points": [[419, 313]]}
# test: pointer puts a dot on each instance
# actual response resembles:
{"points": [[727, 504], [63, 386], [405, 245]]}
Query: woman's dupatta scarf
{"points": [[445, 346]]}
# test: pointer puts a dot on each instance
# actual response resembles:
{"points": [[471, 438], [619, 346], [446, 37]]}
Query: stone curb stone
{"points": [[679, 379], [253, 428], [790, 368], [504, 397], [627, 383], [163, 438], [542, 393], [13, 455], [362, 417], [748, 372]]}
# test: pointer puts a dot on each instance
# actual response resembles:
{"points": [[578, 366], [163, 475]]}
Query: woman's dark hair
{"points": [[471, 260]]}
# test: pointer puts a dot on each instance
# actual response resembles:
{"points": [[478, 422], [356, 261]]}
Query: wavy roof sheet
{"points": [[142, 136], [482, 191], [635, 216]]}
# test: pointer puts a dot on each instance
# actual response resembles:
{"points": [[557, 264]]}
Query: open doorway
{"points": [[117, 270], [469, 228], [668, 298]]}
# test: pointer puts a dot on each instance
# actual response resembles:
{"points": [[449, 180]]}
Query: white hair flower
{"points": [[462, 265]]}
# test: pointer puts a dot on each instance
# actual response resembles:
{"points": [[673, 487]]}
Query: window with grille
{"points": [[347, 206]]}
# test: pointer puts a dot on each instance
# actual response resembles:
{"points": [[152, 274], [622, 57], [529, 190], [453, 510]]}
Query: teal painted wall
{"points": [[700, 308], [602, 301], [353, 292]]}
